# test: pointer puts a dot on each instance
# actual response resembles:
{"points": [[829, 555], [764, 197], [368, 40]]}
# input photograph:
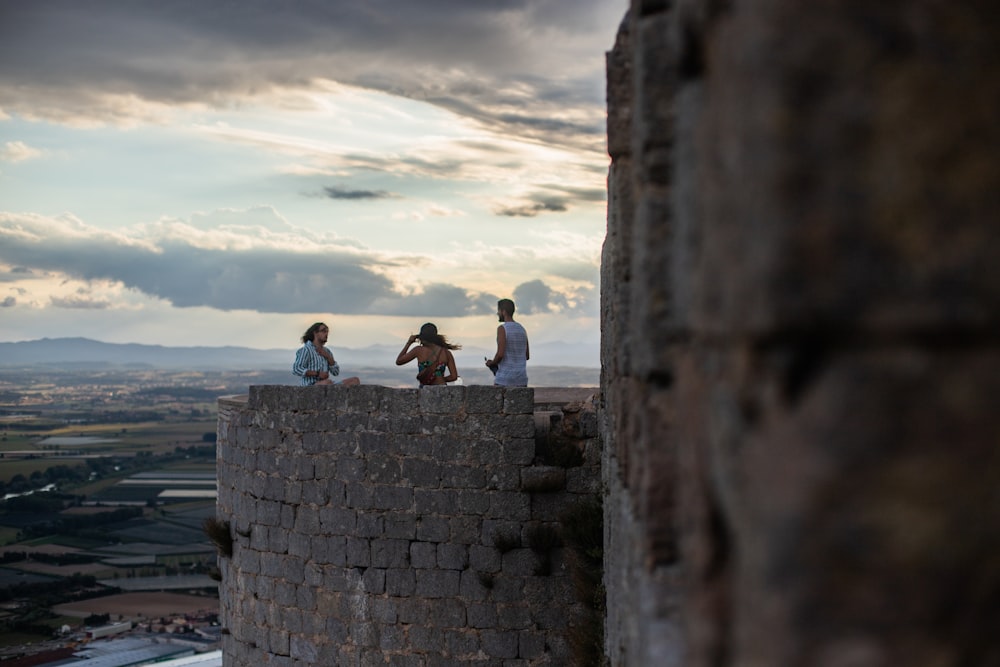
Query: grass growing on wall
{"points": [[218, 532]]}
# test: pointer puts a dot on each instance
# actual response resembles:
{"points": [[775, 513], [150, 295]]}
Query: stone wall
{"points": [[800, 304], [373, 525]]}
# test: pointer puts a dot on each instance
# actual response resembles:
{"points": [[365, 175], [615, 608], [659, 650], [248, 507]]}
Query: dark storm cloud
{"points": [[343, 193], [516, 65]]}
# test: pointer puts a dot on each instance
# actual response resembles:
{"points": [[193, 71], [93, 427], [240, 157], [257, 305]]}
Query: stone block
{"points": [[519, 563], [350, 469], [400, 582], [353, 422], [473, 502], [519, 451], [461, 643], [334, 521], [482, 616], [513, 617], [519, 401], [332, 443], [392, 498], [507, 588], [447, 613], [465, 530], [268, 513], [359, 553], [485, 451], [421, 473], [442, 400], [399, 401], [530, 645], [307, 520], [462, 477], [360, 496], [449, 449], [437, 583], [509, 505], [400, 526], [484, 558], [499, 644], [315, 494], [425, 639], [434, 501], [483, 399], [473, 585], [423, 555], [303, 649], [390, 553], [373, 581], [413, 611], [292, 493], [433, 529], [277, 540], [582, 481], [305, 600], [329, 550], [365, 398], [504, 477], [452, 556], [336, 492], [391, 638]]}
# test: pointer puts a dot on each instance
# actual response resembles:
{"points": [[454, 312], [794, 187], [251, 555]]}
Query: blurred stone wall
{"points": [[374, 525], [801, 308]]}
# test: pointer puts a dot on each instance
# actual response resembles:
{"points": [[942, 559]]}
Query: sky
{"points": [[186, 172]]}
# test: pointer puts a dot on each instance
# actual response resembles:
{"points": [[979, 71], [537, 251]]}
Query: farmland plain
{"points": [[106, 476]]}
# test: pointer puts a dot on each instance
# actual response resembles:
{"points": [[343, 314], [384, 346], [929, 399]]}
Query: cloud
{"points": [[536, 297], [534, 69], [439, 299], [343, 193], [232, 268], [80, 302], [18, 151], [530, 210], [8, 302], [550, 198]]}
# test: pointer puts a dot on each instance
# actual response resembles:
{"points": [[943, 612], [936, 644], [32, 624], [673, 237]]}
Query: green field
{"points": [[122, 440]]}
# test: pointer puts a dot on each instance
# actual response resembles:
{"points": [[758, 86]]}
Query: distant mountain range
{"points": [[86, 352]]}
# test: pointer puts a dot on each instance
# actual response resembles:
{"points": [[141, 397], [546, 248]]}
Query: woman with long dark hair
{"points": [[435, 362]]}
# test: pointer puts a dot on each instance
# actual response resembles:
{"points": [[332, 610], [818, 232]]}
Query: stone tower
{"points": [[801, 314]]}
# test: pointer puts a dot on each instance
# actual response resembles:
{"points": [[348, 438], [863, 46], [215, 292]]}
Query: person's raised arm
{"points": [[406, 355]]}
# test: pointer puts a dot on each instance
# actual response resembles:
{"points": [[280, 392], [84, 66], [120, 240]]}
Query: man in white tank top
{"points": [[510, 363]]}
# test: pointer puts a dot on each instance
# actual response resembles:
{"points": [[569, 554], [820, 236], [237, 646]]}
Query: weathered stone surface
{"points": [[371, 540], [800, 300]]}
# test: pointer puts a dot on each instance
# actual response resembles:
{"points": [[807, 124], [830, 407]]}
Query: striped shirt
{"points": [[308, 358], [513, 371]]}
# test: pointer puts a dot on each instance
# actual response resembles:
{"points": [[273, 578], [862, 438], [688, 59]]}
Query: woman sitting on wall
{"points": [[435, 362]]}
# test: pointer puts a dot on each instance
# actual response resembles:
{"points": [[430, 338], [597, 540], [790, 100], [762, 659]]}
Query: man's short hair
{"points": [[506, 305]]}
